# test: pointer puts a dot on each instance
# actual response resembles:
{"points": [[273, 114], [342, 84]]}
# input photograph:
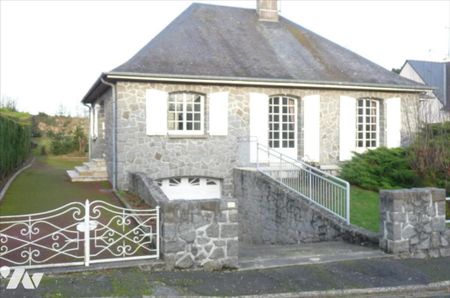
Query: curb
{"points": [[5, 188], [442, 285]]}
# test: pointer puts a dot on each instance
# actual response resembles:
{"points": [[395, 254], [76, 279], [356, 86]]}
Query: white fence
{"points": [[325, 190], [79, 234]]}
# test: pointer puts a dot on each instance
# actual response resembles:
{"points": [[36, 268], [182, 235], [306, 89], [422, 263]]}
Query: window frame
{"points": [[185, 131], [281, 122], [364, 131]]}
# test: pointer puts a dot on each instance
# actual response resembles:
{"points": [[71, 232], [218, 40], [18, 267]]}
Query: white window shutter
{"points": [[311, 131], [91, 122], [218, 114], [393, 122], [156, 112], [259, 122], [96, 109], [347, 127]]}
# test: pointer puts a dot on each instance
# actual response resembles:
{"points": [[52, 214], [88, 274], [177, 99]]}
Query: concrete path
{"points": [[375, 277], [271, 256]]}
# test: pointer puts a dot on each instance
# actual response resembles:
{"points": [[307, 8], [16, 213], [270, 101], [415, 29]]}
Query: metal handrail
{"points": [[317, 185], [302, 163]]}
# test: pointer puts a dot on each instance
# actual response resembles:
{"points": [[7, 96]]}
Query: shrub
{"points": [[15, 142], [62, 144], [430, 155], [381, 168], [43, 150]]}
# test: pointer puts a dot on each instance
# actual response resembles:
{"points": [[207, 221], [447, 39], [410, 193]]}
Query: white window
{"points": [[282, 114], [367, 123], [185, 113], [190, 188]]}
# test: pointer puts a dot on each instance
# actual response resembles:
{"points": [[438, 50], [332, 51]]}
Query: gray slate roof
{"points": [[434, 74], [217, 41]]}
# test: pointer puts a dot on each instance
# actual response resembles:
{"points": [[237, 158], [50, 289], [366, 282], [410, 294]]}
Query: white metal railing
{"points": [[79, 234], [325, 190], [447, 201]]}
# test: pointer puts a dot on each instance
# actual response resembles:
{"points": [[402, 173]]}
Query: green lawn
{"points": [[364, 208], [46, 186]]}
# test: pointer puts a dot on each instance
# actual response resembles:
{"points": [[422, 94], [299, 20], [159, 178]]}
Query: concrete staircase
{"points": [[93, 170]]}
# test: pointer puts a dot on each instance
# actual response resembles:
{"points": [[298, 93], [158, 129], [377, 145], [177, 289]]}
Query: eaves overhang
{"points": [[98, 88]]}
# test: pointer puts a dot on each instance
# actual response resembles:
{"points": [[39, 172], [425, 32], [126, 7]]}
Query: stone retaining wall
{"points": [[269, 213], [194, 233], [413, 223]]}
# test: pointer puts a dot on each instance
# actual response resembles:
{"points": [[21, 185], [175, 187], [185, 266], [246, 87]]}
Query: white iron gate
{"points": [[79, 234]]}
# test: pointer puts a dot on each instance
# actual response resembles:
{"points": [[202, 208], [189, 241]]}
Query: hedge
{"points": [[15, 143]]}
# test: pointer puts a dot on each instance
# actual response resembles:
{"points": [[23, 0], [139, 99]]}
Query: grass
{"points": [[46, 186], [365, 208]]}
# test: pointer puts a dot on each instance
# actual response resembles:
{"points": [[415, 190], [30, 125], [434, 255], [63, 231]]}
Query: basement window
{"points": [[190, 188]]}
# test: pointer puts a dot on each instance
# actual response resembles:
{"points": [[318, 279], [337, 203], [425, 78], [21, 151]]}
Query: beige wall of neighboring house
{"points": [[431, 110]]}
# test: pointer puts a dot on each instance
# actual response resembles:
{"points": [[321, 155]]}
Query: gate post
{"points": [[157, 231], [87, 240]]}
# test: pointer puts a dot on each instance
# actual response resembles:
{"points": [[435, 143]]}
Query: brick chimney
{"points": [[267, 10]]}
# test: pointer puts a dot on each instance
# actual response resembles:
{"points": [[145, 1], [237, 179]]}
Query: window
{"points": [[190, 188], [282, 122], [367, 123], [185, 113]]}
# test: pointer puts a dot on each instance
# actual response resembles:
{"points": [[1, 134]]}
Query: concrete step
{"points": [[93, 167], [85, 171], [98, 161], [272, 256], [76, 177]]}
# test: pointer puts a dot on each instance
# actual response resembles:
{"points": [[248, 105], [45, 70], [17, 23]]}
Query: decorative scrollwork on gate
{"points": [[127, 233], [77, 234], [40, 238]]}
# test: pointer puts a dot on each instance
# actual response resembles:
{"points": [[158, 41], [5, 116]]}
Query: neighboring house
{"points": [[435, 106], [178, 109]]}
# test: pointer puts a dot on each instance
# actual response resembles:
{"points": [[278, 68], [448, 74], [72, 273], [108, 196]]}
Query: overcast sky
{"points": [[53, 51]]}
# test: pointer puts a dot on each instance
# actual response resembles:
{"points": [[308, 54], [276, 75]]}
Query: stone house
{"points": [[434, 106], [178, 109]]}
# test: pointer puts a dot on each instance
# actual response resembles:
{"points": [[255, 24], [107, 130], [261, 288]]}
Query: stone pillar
{"points": [[413, 222], [200, 234]]}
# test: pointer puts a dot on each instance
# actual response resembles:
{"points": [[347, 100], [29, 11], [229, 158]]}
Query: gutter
{"points": [[114, 132], [261, 82]]}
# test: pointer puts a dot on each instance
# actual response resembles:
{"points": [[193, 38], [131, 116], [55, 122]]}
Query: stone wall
{"points": [[413, 223], [269, 213], [194, 233], [216, 156]]}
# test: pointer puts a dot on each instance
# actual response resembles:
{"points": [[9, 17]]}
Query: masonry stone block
{"points": [[184, 262], [213, 231], [425, 233], [173, 246], [408, 232], [228, 230], [217, 253]]}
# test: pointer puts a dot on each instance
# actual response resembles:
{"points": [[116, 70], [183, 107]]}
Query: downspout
{"points": [[90, 130], [114, 131]]}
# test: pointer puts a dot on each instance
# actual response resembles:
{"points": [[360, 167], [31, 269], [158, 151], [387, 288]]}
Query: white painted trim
{"points": [[96, 108], [262, 83], [218, 114], [393, 122], [347, 127], [259, 122], [156, 112], [311, 128]]}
